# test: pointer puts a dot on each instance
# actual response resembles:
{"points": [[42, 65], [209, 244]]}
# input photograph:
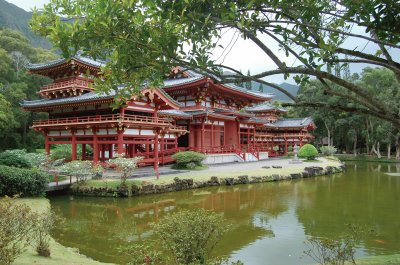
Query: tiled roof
{"points": [[250, 92], [79, 58], [173, 112], [295, 122], [91, 96], [264, 107], [181, 81]]}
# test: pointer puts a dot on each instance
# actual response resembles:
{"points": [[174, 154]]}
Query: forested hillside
{"points": [[16, 51], [16, 18]]}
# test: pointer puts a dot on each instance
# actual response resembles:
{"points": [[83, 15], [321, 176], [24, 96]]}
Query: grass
{"points": [[59, 253], [380, 260], [196, 168], [366, 158]]}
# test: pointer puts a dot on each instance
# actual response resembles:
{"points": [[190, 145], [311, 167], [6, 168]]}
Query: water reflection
{"points": [[269, 221]]}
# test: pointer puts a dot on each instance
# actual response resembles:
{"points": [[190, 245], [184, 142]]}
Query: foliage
{"points": [[77, 168], [17, 222], [97, 171], [190, 236], [141, 254], [336, 252], [188, 159], [64, 151], [27, 182], [189, 33], [38, 160], [125, 165], [41, 235], [308, 151], [17, 85], [15, 158], [328, 150]]}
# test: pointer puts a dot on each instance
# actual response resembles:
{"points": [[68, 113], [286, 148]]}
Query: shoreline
{"points": [[217, 176]]}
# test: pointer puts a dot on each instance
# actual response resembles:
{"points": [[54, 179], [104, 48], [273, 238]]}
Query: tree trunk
{"points": [[329, 133], [389, 149], [355, 146], [367, 140], [398, 148], [378, 147]]}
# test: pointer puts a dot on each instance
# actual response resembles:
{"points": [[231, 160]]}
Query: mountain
{"points": [[279, 96], [16, 18]]}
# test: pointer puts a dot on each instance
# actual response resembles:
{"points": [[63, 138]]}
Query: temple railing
{"points": [[78, 83], [101, 119]]}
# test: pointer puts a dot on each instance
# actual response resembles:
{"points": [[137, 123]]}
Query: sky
{"points": [[245, 55]]}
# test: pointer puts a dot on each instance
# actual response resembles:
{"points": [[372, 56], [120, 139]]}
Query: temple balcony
{"points": [[71, 87], [108, 120]]}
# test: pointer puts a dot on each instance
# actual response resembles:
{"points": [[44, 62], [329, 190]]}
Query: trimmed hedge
{"points": [[26, 182], [188, 159], [15, 158], [308, 151]]}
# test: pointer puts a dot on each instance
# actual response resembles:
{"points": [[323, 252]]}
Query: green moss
{"points": [[109, 183]]}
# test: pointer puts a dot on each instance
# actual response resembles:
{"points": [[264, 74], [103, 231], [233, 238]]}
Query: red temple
{"points": [[189, 112]]}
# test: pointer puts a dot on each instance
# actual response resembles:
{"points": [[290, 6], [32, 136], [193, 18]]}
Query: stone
{"points": [[295, 175], [266, 167], [229, 181], [276, 177], [276, 166], [244, 179]]}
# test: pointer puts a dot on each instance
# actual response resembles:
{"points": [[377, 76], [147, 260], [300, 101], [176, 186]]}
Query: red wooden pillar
{"points": [[301, 141], [156, 153], [120, 142], [202, 136], [95, 147], [73, 142], [238, 135], [47, 144], [83, 151], [162, 150], [212, 134]]}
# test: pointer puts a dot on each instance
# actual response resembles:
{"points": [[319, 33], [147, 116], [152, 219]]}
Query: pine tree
{"points": [[346, 70], [261, 88], [338, 70], [248, 83]]}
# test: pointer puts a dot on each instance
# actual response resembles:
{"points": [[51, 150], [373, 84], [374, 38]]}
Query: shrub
{"points": [[15, 158], [125, 165], [38, 160], [78, 168], [190, 236], [27, 182], [17, 221], [64, 151], [308, 151], [328, 150], [41, 235], [184, 159]]}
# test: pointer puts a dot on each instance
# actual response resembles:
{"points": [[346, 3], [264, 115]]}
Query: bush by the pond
{"points": [[15, 158], [64, 151], [308, 151], [17, 222], [190, 236], [328, 150], [27, 182], [188, 159]]}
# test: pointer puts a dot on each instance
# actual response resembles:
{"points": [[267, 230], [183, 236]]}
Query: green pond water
{"points": [[270, 221]]}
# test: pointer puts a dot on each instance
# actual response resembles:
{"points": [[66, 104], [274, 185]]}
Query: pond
{"points": [[269, 222]]}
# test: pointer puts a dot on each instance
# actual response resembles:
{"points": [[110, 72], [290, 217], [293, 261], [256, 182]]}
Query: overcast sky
{"points": [[245, 55]]}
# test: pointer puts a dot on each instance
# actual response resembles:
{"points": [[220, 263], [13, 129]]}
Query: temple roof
{"points": [[174, 113], [91, 96], [79, 58], [294, 122], [264, 107]]}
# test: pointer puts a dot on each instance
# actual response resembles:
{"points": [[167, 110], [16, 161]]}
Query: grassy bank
{"points": [[380, 260], [59, 253], [205, 175], [366, 158]]}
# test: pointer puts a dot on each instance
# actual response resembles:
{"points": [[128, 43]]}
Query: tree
{"points": [[167, 33], [261, 88], [248, 82]]}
